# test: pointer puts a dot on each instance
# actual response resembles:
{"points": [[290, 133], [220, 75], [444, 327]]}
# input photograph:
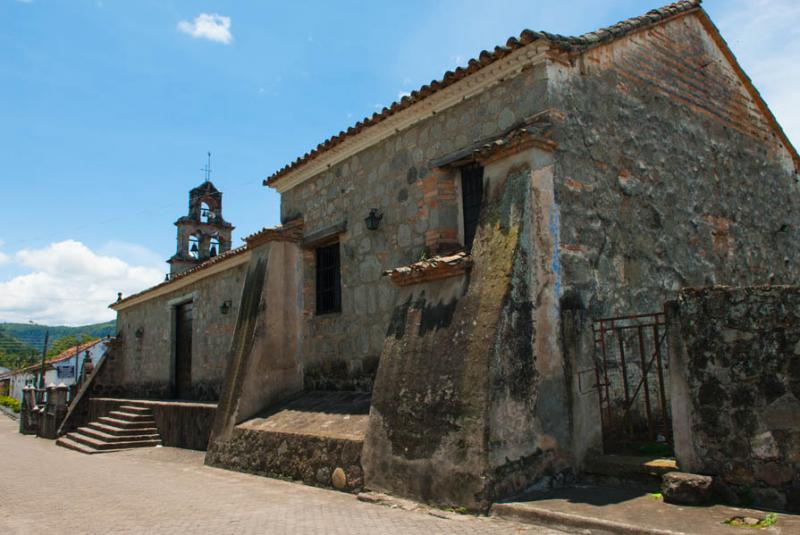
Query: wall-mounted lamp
{"points": [[139, 332], [225, 307], [373, 219]]}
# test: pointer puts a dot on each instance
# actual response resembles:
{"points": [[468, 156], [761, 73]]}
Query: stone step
{"points": [[130, 416], [136, 409], [103, 445], [67, 442], [106, 437], [623, 469], [126, 424], [118, 431]]}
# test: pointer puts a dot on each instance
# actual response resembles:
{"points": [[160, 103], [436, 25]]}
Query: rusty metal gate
{"points": [[631, 361]]}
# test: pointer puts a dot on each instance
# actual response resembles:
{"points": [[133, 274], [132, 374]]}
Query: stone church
{"points": [[418, 323]]}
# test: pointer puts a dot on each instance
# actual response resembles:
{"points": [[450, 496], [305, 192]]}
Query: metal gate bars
{"points": [[630, 359]]}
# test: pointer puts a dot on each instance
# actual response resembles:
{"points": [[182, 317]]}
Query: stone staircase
{"points": [[128, 427]]}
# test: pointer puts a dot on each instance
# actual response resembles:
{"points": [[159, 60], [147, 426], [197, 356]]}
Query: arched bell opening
{"points": [[193, 247], [214, 247]]}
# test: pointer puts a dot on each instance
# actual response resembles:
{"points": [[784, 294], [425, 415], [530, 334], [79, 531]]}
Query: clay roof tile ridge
{"points": [[485, 58]]}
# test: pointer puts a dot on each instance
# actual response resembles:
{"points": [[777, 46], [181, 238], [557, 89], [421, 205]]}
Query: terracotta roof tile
{"points": [[289, 231], [64, 355], [486, 58], [435, 268]]}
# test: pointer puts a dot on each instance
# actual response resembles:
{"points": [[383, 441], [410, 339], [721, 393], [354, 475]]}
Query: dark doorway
{"points": [[183, 350]]}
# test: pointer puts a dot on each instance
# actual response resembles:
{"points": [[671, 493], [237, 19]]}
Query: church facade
{"points": [[444, 260]]}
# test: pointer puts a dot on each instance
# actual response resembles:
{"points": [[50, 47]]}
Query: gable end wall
{"points": [[667, 174]]}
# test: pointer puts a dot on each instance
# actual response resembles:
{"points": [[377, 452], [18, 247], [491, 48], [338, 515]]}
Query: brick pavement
{"points": [[167, 490]]}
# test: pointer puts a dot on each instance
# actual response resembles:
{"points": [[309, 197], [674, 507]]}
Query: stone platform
{"points": [[316, 438], [606, 510]]}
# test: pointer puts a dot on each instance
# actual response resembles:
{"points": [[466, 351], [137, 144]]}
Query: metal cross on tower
{"points": [[207, 168]]}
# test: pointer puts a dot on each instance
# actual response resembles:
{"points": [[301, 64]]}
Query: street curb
{"points": [[8, 412], [555, 519]]}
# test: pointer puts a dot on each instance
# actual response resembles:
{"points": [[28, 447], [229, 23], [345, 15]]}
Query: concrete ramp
{"points": [[315, 438]]}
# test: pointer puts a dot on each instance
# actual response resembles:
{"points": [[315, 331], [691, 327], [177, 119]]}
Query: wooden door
{"points": [[183, 351]]}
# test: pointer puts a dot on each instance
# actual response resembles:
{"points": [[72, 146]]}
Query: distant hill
{"points": [[33, 335], [13, 353]]}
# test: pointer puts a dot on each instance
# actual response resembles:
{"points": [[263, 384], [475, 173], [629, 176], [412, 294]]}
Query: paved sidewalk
{"points": [[627, 511], [47, 489]]}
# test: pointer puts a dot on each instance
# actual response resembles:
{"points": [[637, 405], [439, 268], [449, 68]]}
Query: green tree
{"points": [[68, 342]]}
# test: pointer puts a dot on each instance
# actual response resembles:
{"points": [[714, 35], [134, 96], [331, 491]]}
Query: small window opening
{"points": [[329, 284], [194, 247], [471, 198], [213, 249]]}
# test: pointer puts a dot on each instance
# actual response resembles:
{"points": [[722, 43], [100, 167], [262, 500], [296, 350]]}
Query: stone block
{"points": [[686, 489]]}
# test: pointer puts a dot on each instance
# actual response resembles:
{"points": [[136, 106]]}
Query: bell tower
{"points": [[204, 233]]}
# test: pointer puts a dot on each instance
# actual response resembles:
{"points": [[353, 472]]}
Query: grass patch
{"points": [[460, 510], [11, 403], [753, 523]]}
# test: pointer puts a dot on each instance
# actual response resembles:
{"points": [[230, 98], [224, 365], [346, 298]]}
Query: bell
{"points": [[213, 251], [194, 248]]}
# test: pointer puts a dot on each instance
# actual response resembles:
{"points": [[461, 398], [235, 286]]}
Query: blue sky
{"points": [[107, 109]]}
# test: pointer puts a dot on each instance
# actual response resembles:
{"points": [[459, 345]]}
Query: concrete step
{"points": [[103, 445], [136, 408], [67, 442], [121, 432], [106, 437], [126, 424], [643, 471], [130, 416]]}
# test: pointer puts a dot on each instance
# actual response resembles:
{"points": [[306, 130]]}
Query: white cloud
{"points": [[208, 26], [70, 284]]}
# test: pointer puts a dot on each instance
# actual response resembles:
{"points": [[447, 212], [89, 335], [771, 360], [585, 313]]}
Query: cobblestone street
{"points": [[48, 489]]}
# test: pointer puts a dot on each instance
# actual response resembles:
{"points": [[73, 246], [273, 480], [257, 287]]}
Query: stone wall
{"points": [[143, 365], [667, 174], [420, 209], [470, 402], [307, 458], [735, 374], [264, 366]]}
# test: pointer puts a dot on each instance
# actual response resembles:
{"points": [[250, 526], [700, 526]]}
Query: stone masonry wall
{"points": [[735, 376], [470, 401], [143, 365], [667, 174], [420, 216]]}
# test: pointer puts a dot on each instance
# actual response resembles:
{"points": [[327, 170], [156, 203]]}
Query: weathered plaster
{"points": [[144, 364]]}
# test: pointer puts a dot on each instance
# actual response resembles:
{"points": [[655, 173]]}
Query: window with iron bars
{"points": [[329, 280], [471, 199]]}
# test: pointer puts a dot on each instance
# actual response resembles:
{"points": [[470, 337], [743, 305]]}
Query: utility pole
{"points": [[44, 356]]}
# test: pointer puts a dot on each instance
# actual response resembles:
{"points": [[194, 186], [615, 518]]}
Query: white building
{"points": [[65, 367]]}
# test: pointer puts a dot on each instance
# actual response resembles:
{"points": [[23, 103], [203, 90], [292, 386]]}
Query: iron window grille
{"points": [[329, 280], [471, 199]]}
